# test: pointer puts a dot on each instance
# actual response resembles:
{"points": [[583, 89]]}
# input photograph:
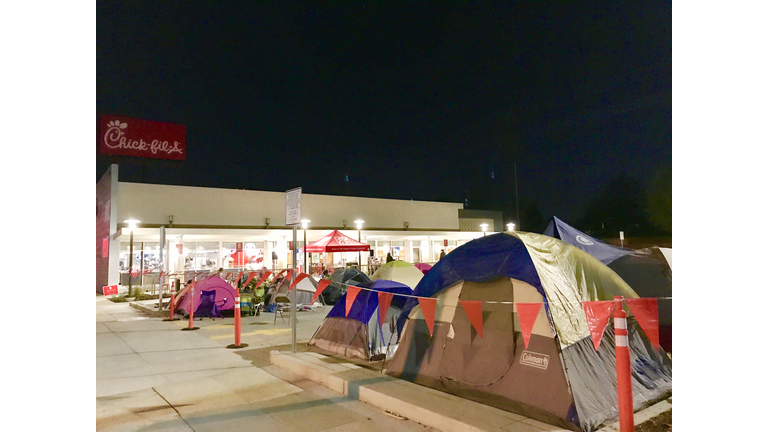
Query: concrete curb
{"points": [[148, 307], [427, 406]]}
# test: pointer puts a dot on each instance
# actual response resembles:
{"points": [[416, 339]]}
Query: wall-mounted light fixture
{"points": [[266, 222], [510, 226], [344, 222], [484, 226], [405, 225], [170, 219]]}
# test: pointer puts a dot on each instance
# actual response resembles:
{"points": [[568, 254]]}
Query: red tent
{"points": [[337, 242]]}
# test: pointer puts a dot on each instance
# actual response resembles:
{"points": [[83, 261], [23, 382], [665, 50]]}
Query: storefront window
{"points": [[206, 256], [398, 249], [151, 256]]}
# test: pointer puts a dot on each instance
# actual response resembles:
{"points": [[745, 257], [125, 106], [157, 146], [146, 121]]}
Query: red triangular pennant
{"points": [[247, 281], [352, 292], [527, 314], [646, 312], [263, 278], [597, 313], [385, 299], [297, 280], [288, 274], [428, 306], [320, 287], [239, 275], [474, 311]]}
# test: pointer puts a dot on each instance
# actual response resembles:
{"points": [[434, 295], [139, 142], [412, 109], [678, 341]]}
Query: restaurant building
{"points": [[209, 228]]}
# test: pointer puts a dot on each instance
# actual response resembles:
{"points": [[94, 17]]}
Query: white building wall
{"points": [[224, 207]]}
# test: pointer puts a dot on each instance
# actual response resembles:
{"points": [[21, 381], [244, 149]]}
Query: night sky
{"points": [[435, 101]]}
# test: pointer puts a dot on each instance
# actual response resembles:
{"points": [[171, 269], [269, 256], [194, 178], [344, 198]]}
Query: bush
{"points": [[118, 299]]}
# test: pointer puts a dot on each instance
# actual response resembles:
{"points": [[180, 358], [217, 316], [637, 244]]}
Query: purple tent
{"points": [[219, 296], [424, 267]]}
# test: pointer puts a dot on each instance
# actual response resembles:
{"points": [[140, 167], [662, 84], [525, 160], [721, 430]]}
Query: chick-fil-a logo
{"points": [[143, 138]]}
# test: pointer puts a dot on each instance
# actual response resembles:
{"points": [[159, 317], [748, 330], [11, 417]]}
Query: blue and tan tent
{"points": [[359, 333], [559, 378]]}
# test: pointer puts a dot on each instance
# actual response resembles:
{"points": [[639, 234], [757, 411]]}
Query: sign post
{"points": [[621, 237], [293, 218]]}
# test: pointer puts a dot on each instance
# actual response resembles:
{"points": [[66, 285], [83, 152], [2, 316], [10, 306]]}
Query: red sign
{"points": [[142, 138], [105, 247], [109, 290], [239, 247], [445, 242]]}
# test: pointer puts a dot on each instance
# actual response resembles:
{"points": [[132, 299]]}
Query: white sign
{"points": [[621, 235], [293, 207]]}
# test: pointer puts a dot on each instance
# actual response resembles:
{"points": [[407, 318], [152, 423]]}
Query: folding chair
{"points": [[282, 298]]}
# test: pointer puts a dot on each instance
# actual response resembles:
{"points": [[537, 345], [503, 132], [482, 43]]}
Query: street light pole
{"points": [[359, 224], [131, 226], [304, 224]]}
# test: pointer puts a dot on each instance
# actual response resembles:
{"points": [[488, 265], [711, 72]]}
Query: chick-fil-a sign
{"points": [[143, 138]]}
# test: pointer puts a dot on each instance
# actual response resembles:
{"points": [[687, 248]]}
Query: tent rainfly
{"points": [[556, 376]]}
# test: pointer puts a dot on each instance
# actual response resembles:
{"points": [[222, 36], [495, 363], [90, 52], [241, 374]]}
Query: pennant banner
{"points": [[597, 313], [646, 312], [474, 311], [297, 280], [239, 275], [428, 306], [385, 299], [320, 287], [527, 314], [352, 292], [288, 274]]}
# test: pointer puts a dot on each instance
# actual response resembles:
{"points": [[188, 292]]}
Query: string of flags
{"points": [[597, 313]]}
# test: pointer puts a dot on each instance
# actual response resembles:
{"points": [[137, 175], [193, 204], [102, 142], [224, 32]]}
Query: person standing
{"points": [[389, 257], [442, 253]]}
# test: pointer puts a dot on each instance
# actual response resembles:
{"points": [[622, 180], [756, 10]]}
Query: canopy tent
{"points": [[337, 242], [212, 295], [424, 267], [341, 278], [559, 378], [648, 271], [359, 333], [399, 271]]}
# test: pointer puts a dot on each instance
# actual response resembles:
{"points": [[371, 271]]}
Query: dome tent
{"points": [[559, 378], [359, 333], [399, 271], [212, 295], [340, 278]]}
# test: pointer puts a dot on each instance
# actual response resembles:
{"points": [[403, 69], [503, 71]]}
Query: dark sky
{"points": [[417, 100]]}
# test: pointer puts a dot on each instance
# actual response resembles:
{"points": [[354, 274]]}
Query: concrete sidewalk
{"points": [[151, 376]]}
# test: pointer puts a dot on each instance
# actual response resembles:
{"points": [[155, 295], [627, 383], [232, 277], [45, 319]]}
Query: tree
{"points": [[660, 200], [618, 207]]}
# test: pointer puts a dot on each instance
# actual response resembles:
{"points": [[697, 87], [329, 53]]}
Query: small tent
{"points": [[341, 278], [359, 333], [305, 290], [212, 295], [648, 271], [399, 271], [559, 378]]}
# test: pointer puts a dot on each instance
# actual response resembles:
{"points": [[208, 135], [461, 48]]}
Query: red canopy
{"points": [[337, 242]]}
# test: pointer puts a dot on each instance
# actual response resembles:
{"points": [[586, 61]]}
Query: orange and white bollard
{"points": [[623, 372], [172, 307], [237, 323], [191, 309]]}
